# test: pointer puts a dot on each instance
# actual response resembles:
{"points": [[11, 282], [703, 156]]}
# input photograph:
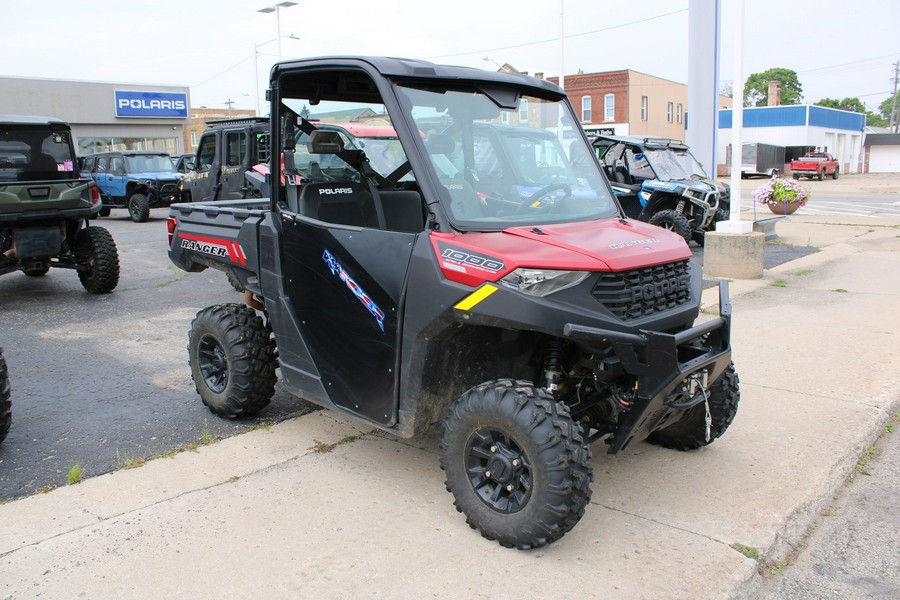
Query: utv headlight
{"points": [[542, 282]]}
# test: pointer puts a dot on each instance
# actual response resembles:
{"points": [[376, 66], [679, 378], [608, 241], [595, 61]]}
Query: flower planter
{"points": [[783, 208]]}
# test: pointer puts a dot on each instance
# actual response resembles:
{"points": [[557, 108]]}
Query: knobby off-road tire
{"points": [[232, 358], [673, 221], [37, 271], [700, 236], [139, 208], [516, 463], [5, 402], [690, 432], [98, 260], [233, 280]]}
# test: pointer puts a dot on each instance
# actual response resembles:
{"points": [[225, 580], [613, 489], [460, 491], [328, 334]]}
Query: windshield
{"points": [[149, 163], [33, 153], [508, 166], [674, 165]]}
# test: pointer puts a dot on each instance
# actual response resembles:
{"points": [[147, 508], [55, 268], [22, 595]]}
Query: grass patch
{"points": [[839, 290], [176, 451], [803, 272], [127, 461], [45, 489], [206, 437], [323, 448], [233, 479], [777, 242], [746, 551], [779, 283], [76, 472], [179, 275], [256, 427], [863, 462]]}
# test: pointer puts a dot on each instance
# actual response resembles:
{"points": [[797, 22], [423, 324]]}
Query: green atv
{"points": [[45, 206]]}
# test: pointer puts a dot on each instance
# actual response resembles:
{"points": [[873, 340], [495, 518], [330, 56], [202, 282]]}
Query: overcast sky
{"points": [[839, 48]]}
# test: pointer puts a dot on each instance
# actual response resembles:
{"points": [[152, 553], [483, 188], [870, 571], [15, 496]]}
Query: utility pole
{"points": [[893, 127], [230, 104]]}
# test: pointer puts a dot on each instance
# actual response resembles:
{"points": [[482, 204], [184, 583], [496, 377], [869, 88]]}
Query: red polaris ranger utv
{"points": [[479, 273]]}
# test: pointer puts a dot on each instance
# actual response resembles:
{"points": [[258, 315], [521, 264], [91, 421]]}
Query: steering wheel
{"points": [[545, 191]]}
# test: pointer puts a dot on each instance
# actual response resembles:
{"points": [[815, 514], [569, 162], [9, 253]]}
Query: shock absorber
{"points": [[553, 365]]}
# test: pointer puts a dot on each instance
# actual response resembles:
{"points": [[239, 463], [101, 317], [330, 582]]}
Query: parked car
{"points": [[135, 180], [659, 181], [815, 164]]}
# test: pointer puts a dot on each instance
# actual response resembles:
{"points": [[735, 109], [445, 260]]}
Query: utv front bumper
{"points": [[662, 364]]}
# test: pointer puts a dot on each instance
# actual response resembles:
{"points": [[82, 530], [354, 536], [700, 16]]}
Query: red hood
{"points": [[609, 245]]}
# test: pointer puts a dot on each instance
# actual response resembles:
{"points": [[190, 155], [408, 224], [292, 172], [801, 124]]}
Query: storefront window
{"points": [[92, 145]]}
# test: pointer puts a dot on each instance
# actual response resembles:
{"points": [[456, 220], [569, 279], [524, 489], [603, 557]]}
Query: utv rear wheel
{"points": [[234, 281], [139, 208], [97, 260], [5, 402], [673, 221], [232, 358], [690, 432], [37, 271], [516, 463]]}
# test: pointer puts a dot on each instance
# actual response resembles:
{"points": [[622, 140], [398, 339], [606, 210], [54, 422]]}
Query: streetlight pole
{"points": [[277, 10]]}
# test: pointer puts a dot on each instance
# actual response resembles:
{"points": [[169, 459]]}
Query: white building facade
{"points": [[800, 127]]}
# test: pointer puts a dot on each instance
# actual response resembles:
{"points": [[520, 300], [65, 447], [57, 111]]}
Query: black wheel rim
{"points": [[499, 470], [212, 363]]}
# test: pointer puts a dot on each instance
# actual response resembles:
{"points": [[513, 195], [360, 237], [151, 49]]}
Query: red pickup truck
{"points": [[816, 164]]}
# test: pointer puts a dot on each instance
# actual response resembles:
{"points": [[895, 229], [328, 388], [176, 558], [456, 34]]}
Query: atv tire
{"points": [[37, 271], [5, 402], [232, 359], [139, 208], [700, 236], [516, 463], [97, 260], [690, 432], [673, 221], [233, 280]]}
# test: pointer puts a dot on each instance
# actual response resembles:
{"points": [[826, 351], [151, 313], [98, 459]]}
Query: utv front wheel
{"points": [[690, 432], [516, 463], [139, 208], [5, 403], [97, 260], [232, 358], [673, 221]]}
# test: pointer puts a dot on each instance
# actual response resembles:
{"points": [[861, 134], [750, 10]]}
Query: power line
{"points": [[855, 62], [574, 35], [234, 66]]}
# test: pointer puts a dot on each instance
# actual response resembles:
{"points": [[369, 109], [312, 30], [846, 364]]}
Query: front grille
{"points": [[644, 292], [168, 188]]}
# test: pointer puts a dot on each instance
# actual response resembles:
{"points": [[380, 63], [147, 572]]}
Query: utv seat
{"points": [[342, 203], [403, 210]]}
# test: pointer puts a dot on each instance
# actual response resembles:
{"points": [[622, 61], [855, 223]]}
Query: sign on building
{"points": [[151, 104]]}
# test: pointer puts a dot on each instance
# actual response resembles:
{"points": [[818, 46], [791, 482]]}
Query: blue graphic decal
{"points": [[336, 269]]}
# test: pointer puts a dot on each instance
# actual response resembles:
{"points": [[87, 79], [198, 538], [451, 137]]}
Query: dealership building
{"points": [[105, 116]]}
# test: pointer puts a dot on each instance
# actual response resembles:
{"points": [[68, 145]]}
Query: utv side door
{"points": [[118, 176], [206, 184], [101, 174], [236, 159]]}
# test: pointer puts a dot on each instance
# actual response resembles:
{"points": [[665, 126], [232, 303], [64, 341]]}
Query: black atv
{"points": [[45, 206], [658, 180]]}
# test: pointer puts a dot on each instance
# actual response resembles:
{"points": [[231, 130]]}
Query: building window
{"points": [[680, 112], [194, 139], [609, 107], [586, 109], [644, 108], [670, 112], [523, 110]]}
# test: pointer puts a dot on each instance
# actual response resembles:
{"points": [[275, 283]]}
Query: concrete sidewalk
{"points": [[322, 507]]}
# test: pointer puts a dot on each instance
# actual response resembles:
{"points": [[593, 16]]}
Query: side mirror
{"points": [[289, 132]]}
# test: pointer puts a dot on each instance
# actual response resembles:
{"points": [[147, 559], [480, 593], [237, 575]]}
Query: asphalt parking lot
{"points": [[102, 381]]}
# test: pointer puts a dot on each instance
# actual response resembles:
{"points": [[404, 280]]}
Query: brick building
{"points": [[630, 103], [199, 117]]}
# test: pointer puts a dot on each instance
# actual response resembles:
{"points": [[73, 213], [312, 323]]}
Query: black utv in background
{"points": [[227, 151], [45, 206]]}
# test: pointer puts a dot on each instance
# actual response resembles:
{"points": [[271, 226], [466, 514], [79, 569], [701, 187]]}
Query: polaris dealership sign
{"points": [[151, 104]]}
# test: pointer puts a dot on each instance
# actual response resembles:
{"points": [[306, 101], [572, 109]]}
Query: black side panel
{"points": [[346, 287]]}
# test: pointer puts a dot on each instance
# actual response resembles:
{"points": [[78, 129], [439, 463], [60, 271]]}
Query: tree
{"points": [[885, 107], [756, 90], [854, 105]]}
